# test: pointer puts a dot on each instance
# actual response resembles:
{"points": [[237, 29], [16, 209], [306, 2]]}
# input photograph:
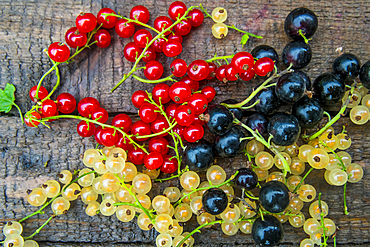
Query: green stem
{"points": [[242, 31], [303, 36], [39, 229], [261, 213], [20, 112], [345, 199], [219, 58], [250, 196], [168, 78], [328, 115], [322, 222], [250, 106], [56, 84], [205, 11], [158, 133], [134, 21], [42, 79], [300, 182]]}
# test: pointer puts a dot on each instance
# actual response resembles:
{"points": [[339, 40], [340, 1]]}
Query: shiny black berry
{"points": [[365, 75], [328, 88], [214, 201], [300, 19], [306, 78], [265, 51], [258, 122], [284, 128], [238, 113], [229, 145], [268, 101], [199, 156], [267, 232], [246, 179], [290, 87], [347, 66], [309, 112], [219, 119], [298, 53], [274, 196]]}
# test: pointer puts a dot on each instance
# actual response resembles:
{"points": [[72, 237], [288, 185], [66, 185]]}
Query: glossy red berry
{"points": [[147, 112], [158, 45], [66, 103], [184, 115], [67, 36], [140, 13], [248, 75], [58, 52], [242, 61], [85, 129], [212, 71], [194, 85], [87, 106], [102, 38], [138, 98], [153, 160], [162, 23], [198, 103], [169, 165], [175, 36], [161, 91], [123, 142], [153, 70], [86, 22], [183, 27], [172, 48], [97, 134], [108, 137], [131, 51], [221, 73], [209, 92], [122, 121], [263, 66], [180, 92], [198, 70], [142, 37], [196, 17], [43, 93], [170, 110], [100, 115], [198, 121], [159, 124], [176, 10], [178, 67], [31, 120], [140, 128], [179, 130], [136, 156], [48, 108], [107, 21], [77, 39], [231, 73], [193, 132], [158, 144], [149, 55], [124, 29]]}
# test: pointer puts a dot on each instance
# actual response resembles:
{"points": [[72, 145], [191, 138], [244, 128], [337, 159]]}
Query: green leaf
{"points": [[7, 98], [244, 40]]}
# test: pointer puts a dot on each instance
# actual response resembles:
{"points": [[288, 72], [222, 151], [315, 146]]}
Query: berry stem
{"points": [[250, 106], [300, 182], [168, 78], [242, 31], [131, 20], [205, 11], [345, 199], [251, 196], [322, 222], [219, 58], [328, 115], [20, 112], [42, 79], [261, 213], [39, 229], [302, 33]]}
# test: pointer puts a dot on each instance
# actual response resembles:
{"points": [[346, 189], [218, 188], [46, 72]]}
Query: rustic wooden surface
{"points": [[28, 27]]}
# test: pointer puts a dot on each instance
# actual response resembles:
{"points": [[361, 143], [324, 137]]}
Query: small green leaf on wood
{"points": [[7, 98], [244, 40]]}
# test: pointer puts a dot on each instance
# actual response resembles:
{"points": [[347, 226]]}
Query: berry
{"points": [[149, 55], [308, 112], [147, 112], [153, 160], [231, 73], [242, 61], [209, 92], [176, 10], [30, 121], [85, 129], [263, 66], [265, 51], [214, 201], [212, 70], [193, 132], [290, 87], [198, 103], [169, 165], [124, 142], [284, 128], [219, 30], [179, 130], [246, 179], [131, 51], [161, 92], [267, 232], [124, 29], [136, 156], [140, 128], [365, 75], [100, 115], [138, 98], [274, 196], [229, 144], [238, 113], [77, 39], [170, 110], [161, 23], [97, 135], [221, 73], [194, 85], [178, 67], [248, 75], [48, 108], [300, 19], [196, 17], [87, 106], [268, 101], [158, 45], [198, 70], [175, 36], [180, 92], [103, 38], [142, 37], [306, 79], [58, 52], [184, 115], [219, 15], [328, 88], [159, 124], [153, 70], [86, 22], [66, 103], [297, 53], [172, 48], [183, 27], [219, 119], [199, 156], [140, 13], [108, 137], [67, 37], [347, 66], [258, 122], [107, 21], [158, 144]]}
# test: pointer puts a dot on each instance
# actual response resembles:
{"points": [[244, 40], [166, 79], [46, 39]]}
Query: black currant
{"points": [[214, 201], [265, 51], [199, 156], [309, 112], [297, 53], [347, 66], [268, 101], [300, 19], [274, 196], [328, 88], [238, 113], [229, 145], [219, 119], [290, 87], [306, 79], [246, 179], [267, 232], [365, 75], [258, 122], [284, 128]]}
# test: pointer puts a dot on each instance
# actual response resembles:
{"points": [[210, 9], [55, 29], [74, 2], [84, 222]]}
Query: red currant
{"points": [[158, 144], [175, 36], [242, 61], [87, 106], [122, 121], [153, 70], [124, 142], [198, 70], [162, 23], [198, 103], [196, 17], [194, 85], [209, 92], [85, 129], [161, 91], [184, 115], [178, 67], [140, 128], [43, 93], [193, 132], [142, 37], [149, 55], [169, 165], [180, 92], [212, 71], [98, 134], [131, 51], [68, 35], [107, 21], [140, 13], [48, 108], [171, 109], [159, 124], [172, 48], [136, 156], [177, 10], [179, 130], [231, 73], [31, 120], [263, 66], [221, 73], [108, 137], [147, 112], [153, 160], [124, 29], [102, 38], [66, 103], [183, 27], [86, 22], [248, 75], [100, 115], [138, 98], [77, 39], [198, 121], [58, 52], [158, 45]]}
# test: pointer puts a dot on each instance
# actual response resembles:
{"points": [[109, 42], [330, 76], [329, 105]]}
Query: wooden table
{"points": [[28, 27]]}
